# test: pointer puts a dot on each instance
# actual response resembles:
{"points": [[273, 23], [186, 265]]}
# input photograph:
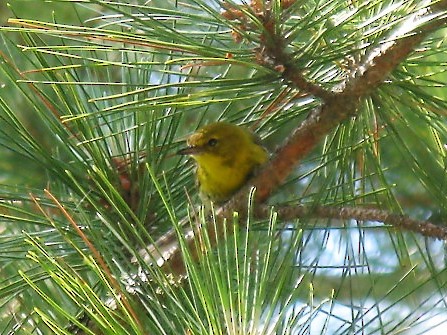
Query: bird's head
{"points": [[216, 141]]}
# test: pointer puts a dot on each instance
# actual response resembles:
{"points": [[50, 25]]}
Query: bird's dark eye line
{"points": [[212, 142]]}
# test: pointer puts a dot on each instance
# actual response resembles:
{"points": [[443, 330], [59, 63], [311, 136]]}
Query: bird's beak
{"points": [[190, 151]]}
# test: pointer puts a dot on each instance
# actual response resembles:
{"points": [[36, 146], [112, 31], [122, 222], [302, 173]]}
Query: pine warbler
{"points": [[227, 156]]}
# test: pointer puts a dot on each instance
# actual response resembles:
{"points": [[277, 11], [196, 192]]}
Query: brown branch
{"points": [[336, 107], [166, 252], [425, 228], [318, 124], [340, 104], [97, 256]]}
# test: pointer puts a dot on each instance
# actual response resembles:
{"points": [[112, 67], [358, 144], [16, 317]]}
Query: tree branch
{"points": [[424, 228], [166, 252], [343, 101], [336, 107]]}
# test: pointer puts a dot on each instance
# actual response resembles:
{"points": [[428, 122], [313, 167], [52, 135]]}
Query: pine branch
{"points": [[425, 228], [337, 105], [166, 252]]}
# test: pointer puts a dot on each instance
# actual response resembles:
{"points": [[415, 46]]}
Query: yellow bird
{"points": [[226, 156]]}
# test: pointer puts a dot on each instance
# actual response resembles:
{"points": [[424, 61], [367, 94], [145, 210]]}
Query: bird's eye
{"points": [[212, 142]]}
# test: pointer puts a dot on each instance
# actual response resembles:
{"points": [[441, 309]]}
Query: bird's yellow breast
{"points": [[220, 177]]}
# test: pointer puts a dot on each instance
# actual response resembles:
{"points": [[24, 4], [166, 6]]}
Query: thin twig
{"points": [[166, 252], [425, 228], [97, 255]]}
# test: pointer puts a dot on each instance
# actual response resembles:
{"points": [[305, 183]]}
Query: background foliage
{"points": [[97, 97]]}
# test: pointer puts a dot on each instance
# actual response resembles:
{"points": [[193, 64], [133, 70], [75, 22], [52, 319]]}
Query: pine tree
{"points": [[343, 230]]}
